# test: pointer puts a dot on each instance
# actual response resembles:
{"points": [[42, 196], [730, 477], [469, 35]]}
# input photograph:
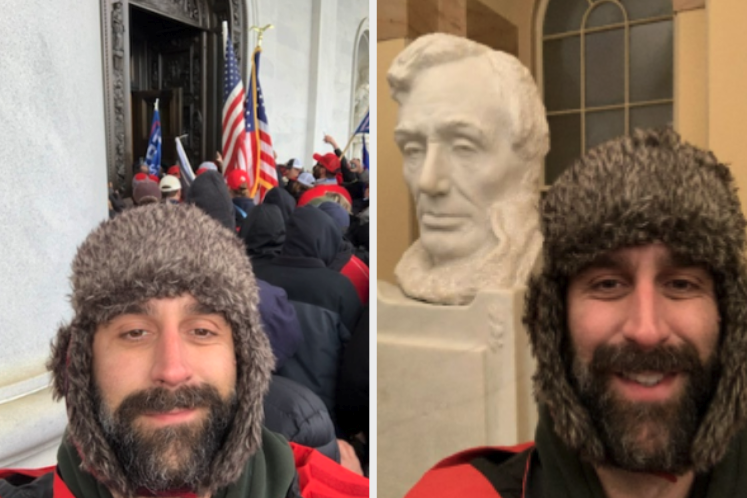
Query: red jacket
{"points": [[464, 475]]}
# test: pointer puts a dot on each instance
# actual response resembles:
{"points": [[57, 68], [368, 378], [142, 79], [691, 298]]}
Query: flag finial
{"points": [[260, 32]]}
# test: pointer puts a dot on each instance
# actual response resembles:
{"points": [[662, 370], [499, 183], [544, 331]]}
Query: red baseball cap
{"points": [[174, 171], [236, 178], [330, 161]]}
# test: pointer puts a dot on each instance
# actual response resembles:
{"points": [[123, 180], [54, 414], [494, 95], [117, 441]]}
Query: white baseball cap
{"points": [[170, 183]]}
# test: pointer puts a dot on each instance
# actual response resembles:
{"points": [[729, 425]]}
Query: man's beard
{"points": [[646, 436], [173, 457]]}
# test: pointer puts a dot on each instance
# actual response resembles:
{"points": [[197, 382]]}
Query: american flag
{"points": [[262, 160], [235, 147]]}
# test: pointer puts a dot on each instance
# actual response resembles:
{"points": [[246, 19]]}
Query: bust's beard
{"points": [[505, 263]]}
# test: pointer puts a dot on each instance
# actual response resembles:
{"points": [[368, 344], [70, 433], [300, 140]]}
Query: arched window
{"points": [[607, 68]]}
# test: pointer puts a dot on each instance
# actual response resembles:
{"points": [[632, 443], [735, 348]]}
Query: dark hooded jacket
{"points": [[242, 206], [282, 199], [325, 301], [210, 193], [263, 233], [279, 322], [346, 261], [300, 416]]}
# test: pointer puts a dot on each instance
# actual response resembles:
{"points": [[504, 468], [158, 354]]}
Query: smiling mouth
{"points": [[646, 379]]}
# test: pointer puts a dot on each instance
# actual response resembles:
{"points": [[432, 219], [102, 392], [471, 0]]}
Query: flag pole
{"points": [[253, 87], [224, 26]]}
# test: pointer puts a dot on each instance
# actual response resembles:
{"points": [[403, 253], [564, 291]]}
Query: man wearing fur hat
{"points": [[163, 368], [638, 321]]}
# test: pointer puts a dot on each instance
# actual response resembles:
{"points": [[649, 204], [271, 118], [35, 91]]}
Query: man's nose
{"points": [[434, 176], [171, 364], [647, 323]]}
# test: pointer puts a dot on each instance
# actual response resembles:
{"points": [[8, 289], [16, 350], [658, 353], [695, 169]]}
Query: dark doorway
{"points": [[166, 63]]}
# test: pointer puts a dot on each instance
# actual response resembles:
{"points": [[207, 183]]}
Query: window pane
{"points": [[565, 144], [564, 15], [604, 14], [562, 78], [643, 9], [604, 125], [651, 56], [605, 68], [651, 116]]}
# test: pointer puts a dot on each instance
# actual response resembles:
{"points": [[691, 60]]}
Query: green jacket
{"points": [[269, 473]]}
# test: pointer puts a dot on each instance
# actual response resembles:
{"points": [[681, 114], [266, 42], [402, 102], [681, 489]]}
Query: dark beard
{"points": [[176, 457], [646, 437]]}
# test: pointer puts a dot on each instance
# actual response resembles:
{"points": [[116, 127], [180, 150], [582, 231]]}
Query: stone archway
{"points": [[359, 104], [176, 48]]}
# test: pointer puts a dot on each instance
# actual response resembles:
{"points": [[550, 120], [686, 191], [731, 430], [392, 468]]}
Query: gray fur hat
{"points": [[628, 192], [157, 251]]}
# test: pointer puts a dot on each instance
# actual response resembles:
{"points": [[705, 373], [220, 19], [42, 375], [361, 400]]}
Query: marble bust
{"points": [[473, 135]]}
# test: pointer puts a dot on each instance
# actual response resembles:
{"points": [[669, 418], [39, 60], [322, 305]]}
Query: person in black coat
{"points": [[210, 193], [326, 302], [263, 233]]}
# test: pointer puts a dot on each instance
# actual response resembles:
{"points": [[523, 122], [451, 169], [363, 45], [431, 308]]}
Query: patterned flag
{"points": [[184, 166], [258, 134], [363, 126], [153, 154], [235, 148]]}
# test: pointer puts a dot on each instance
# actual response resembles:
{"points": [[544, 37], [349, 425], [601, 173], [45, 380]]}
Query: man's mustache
{"points": [[630, 358], [162, 400]]}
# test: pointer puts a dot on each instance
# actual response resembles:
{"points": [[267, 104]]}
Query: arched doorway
{"points": [[171, 50]]}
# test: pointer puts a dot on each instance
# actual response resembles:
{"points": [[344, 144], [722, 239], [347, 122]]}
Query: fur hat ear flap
{"points": [[57, 363]]}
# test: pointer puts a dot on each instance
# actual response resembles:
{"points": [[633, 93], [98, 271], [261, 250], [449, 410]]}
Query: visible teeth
{"points": [[647, 379]]}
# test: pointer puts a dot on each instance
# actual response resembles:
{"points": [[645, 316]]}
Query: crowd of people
{"points": [[307, 242]]}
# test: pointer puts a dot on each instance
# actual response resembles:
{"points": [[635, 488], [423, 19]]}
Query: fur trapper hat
{"points": [[160, 251], [627, 192]]}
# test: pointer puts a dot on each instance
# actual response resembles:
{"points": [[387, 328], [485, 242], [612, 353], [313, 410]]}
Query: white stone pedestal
{"points": [[449, 378]]}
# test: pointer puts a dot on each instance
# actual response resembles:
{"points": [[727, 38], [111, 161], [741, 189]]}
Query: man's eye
{"points": [[134, 335], [683, 286], [607, 284], [203, 333]]}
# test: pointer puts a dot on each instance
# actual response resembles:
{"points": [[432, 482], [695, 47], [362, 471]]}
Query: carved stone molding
{"points": [[188, 11], [117, 85]]}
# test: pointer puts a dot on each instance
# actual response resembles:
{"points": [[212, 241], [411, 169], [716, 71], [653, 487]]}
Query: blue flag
{"points": [[153, 155], [363, 126], [365, 154]]}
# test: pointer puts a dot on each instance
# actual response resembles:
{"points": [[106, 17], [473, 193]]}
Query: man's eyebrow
{"points": [[137, 309], [680, 261], [198, 308]]}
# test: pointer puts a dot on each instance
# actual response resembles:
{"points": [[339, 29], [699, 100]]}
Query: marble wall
{"points": [[52, 194]]}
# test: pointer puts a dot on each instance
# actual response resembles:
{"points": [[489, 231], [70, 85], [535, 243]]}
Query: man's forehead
{"points": [[625, 257], [188, 304]]}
